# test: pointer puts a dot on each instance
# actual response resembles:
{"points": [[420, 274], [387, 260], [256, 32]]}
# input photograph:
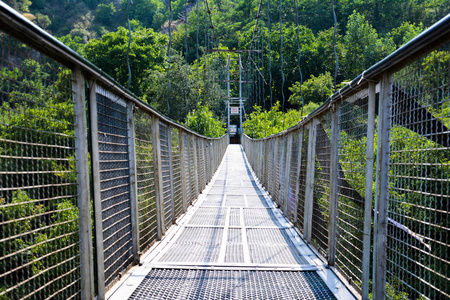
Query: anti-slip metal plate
{"points": [[260, 217], [208, 216], [187, 284], [256, 201], [275, 255]]}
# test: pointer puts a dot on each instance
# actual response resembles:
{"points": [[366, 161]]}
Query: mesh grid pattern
{"points": [[115, 186], [352, 175], [166, 163], [293, 175], [256, 201], [322, 184], [302, 182], [233, 200], [192, 167], [176, 170], [208, 216], [282, 172], [418, 265], [145, 174], [223, 284], [187, 169], [39, 250], [235, 217], [259, 217]]}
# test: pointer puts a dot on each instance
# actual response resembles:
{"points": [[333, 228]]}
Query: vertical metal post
{"points": [[240, 97], [158, 176], [84, 206], [297, 175], [133, 183], [333, 205], [287, 174], [98, 222], [169, 142], [368, 198], [379, 291], [183, 167], [309, 192]]}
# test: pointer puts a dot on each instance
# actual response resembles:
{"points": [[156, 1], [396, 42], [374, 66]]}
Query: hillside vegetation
{"points": [[367, 31]]}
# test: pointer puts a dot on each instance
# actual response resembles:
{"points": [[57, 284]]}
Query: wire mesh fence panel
{"points": [[176, 166], [207, 158], [321, 197], [200, 169], [265, 164], [293, 175], [418, 264], [187, 168], [281, 170], [353, 117], [166, 163], [272, 162], [302, 181], [39, 248], [145, 173], [114, 184], [192, 167]]}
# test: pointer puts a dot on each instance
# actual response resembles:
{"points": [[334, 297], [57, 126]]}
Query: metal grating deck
{"points": [[181, 284], [233, 243]]}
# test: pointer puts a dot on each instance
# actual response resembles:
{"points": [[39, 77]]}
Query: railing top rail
{"points": [[23, 29]]}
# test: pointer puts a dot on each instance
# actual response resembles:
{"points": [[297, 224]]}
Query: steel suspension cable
{"points": [[129, 43], [334, 46], [186, 56], [197, 87], [282, 62], [270, 54], [168, 53], [299, 55]]}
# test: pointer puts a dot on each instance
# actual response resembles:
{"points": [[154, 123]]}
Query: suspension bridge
{"points": [[103, 197]]}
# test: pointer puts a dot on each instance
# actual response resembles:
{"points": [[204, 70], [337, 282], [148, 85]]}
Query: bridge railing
{"points": [[90, 176], [365, 178]]}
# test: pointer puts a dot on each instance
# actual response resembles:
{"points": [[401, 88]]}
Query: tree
{"points": [[142, 10], [19, 5], [202, 120], [181, 95], [362, 46], [147, 52], [264, 123], [407, 31], [105, 13], [316, 89]]}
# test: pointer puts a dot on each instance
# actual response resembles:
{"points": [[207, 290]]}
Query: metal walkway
{"points": [[233, 243]]}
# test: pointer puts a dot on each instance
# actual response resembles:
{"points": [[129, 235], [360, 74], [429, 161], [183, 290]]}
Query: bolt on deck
{"points": [[233, 243]]}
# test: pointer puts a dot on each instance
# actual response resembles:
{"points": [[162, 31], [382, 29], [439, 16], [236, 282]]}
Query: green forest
{"points": [[174, 71]]}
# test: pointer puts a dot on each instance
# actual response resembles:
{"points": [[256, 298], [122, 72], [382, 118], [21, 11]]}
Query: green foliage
{"points": [[105, 13], [264, 123], [363, 47], [202, 120], [43, 20], [407, 31], [19, 5], [181, 95], [316, 89], [147, 52], [142, 10], [73, 42]]}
